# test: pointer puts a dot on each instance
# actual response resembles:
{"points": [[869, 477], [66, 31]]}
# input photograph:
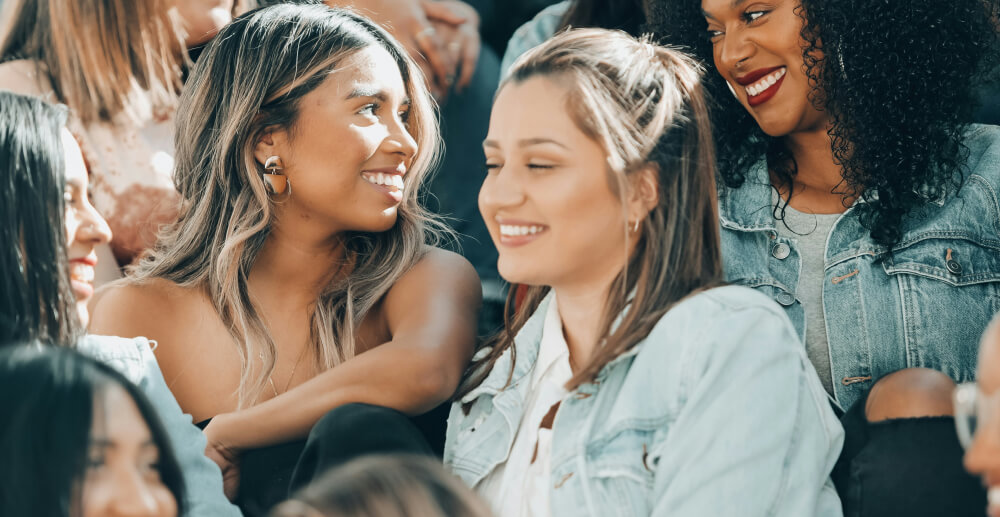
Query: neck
{"points": [[297, 260], [581, 310], [818, 182]]}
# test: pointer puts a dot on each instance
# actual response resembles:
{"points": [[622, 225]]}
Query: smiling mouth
{"points": [[391, 181]]}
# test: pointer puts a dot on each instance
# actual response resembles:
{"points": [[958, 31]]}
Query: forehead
{"points": [[117, 419], [536, 105], [76, 169], [372, 67]]}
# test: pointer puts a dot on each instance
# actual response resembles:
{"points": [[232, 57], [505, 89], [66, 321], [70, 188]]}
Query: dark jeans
{"points": [[908, 467], [270, 474]]}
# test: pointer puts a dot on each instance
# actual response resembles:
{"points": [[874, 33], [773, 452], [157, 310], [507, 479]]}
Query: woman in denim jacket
{"points": [[858, 197], [47, 275], [627, 383]]}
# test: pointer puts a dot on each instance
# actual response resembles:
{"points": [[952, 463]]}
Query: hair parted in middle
{"points": [[643, 104], [250, 79]]}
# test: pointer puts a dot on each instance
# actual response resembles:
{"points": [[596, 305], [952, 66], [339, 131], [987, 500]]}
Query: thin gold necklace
{"points": [[291, 376]]}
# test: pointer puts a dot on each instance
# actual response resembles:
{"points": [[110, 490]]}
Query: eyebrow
{"points": [[526, 142], [107, 443], [733, 5], [373, 92]]}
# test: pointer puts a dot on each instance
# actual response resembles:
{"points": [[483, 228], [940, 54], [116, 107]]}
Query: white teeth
{"points": [[81, 272], [758, 87], [379, 178], [517, 231]]}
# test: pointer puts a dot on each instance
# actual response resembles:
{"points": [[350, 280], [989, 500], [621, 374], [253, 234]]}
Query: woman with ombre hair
{"points": [[628, 381], [300, 280]]}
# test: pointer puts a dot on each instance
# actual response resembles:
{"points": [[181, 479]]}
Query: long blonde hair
{"points": [[644, 105], [102, 58], [251, 78]]}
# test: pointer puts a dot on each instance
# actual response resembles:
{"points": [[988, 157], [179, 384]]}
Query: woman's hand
{"points": [[224, 455], [408, 22], [461, 40]]}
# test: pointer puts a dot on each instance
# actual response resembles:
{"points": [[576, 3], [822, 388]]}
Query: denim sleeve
{"points": [[532, 34], [754, 435], [202, 477]]}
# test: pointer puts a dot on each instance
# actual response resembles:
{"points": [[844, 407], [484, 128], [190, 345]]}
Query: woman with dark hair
{"points": [[856, 195], [79, 439], [624, 15], [47, 263], [301, 308], [628, 381]]}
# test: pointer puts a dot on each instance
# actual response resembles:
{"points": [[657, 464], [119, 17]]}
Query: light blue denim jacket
{"points": [[925, 305], [134, 359], [718, 412], [536, 31]]}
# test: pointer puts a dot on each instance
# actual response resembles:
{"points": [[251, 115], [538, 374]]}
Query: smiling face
{"points": [[348, 153], [982, 458], [85, 228], [547, 199], [122, 477], [757, 48]]}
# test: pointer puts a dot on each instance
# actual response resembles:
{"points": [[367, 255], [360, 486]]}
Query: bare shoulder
{"points": [[152, 308], [440, 280], [24, 76], [440, 269]]}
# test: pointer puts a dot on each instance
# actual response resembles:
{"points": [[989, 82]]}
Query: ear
{"points": [[644, 192], [267, 146]]}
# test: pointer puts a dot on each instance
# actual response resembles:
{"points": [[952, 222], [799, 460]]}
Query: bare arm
{"points": [[431, 314]]}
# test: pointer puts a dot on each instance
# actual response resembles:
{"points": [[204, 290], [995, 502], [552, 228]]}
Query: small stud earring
{"points": [[274, 181]]}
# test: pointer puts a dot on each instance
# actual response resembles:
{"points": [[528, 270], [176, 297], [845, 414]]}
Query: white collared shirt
{"points": [[519, 486]]}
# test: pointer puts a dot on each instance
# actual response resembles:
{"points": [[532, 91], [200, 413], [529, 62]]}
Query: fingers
{"points": [[469, 59], [430, 48], [442, 12]]}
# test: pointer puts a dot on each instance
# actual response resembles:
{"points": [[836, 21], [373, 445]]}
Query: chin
{"points": [[83, 314]]}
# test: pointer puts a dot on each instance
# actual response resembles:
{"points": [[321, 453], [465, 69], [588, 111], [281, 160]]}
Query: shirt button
{"points": [[780, 251], [785, 298], [954, 267]]}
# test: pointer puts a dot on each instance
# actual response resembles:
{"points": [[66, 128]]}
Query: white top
{"points": [[518, 487]]}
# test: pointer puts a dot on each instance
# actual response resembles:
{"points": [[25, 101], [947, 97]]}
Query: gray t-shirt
{"points": [[809, 232]]}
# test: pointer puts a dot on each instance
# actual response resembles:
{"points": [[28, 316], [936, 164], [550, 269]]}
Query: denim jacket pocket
{"points": [[949, 289], [622, 471]]}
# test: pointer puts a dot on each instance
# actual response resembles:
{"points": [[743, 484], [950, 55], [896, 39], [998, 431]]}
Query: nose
{"points": [[401, 141], [93, 228], [734, 49], [501, 189], [135, 498]]}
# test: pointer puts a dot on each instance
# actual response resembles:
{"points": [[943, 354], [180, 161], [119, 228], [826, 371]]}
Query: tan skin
{"points": [[412, 347], [750, 35]]}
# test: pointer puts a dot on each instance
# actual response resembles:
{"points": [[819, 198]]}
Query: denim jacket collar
{"points": [[750, 209]]}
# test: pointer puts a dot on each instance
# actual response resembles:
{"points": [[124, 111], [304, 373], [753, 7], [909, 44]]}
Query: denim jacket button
{"points": [[785, 298], [780, 251], [954, 267]]}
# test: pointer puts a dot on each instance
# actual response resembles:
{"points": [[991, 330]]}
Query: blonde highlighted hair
{"points": [[102, 57], [251, 78], [644, 105]]}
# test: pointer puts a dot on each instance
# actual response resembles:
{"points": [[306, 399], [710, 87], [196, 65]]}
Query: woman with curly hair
{"points": [[857, 195]]}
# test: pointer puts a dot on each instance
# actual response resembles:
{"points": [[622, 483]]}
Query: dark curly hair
{"points": [[898, 80]]}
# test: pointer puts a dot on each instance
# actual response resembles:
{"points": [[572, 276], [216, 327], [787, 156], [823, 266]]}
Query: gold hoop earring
{"points": [[274, 181]]}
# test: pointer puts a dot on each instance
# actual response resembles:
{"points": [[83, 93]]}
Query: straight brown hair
{"points": [[644, 104]]}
